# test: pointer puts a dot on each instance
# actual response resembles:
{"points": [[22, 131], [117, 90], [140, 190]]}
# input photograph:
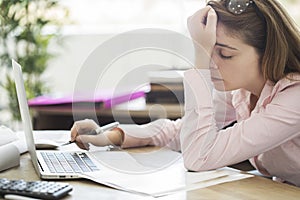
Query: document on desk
{"points": [[156, 173]]}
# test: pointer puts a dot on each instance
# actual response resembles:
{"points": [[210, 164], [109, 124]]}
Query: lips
{"points": [[216, 79]]}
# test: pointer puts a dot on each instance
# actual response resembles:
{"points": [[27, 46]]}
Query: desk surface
{"points": [[250, 188]]}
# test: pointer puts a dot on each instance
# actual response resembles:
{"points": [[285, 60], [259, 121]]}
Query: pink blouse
{"points": [[269, 136]]}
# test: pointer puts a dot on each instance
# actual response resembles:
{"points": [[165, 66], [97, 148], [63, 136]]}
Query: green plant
{"points": [[26, 28]]}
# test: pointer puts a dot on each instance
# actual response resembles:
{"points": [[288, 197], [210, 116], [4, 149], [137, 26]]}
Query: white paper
{"points": [[156, 173], [142, 162], [7, 135], [133, 173], [148, 183]]}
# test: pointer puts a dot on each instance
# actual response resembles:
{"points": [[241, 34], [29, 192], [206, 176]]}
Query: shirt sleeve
{"points": [[162, 132], [224, 111], [165, 132], [205, 146]]}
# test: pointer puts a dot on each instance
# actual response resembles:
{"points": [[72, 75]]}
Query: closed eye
{"points": [[224, 47], [225, 57]]}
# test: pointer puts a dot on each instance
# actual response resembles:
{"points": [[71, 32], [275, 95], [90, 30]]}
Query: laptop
{"points": [[55, 164]]}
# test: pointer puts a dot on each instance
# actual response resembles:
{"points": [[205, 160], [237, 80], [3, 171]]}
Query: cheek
{"points": [[215, 62], [218, 66]]}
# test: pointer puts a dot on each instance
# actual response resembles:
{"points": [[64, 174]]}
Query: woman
{"points": [[251, 51]]}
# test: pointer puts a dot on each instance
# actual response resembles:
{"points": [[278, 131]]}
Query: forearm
{"points": [[163, 132], [199, 128], [115, 137]]}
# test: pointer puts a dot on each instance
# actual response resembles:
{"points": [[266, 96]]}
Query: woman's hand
{"points": [[202, 27], [81, 128], [78, 131]]}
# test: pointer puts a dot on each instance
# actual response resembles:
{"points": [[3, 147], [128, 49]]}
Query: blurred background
{"points": [[66, 32]]}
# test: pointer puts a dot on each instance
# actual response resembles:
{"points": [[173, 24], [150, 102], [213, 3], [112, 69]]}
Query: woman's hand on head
{"points": [[202, 27]]}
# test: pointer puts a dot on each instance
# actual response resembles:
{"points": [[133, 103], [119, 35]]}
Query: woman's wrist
{"points": [[202, 61], [121, 135], [115, 136]]}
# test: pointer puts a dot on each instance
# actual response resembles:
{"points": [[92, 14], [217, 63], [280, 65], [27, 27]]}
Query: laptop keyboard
{"points": [[68, 162]]}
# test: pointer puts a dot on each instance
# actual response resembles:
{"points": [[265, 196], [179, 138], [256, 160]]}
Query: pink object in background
{"points": [[106, 99]]}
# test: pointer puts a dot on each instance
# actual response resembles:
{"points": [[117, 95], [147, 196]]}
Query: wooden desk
{"points": [[137, 111], [250, 188]]}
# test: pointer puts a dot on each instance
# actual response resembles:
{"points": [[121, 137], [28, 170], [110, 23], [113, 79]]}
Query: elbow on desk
{"points": [[192, 163]]}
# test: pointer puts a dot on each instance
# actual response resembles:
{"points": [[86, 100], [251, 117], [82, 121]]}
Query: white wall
{"points": [[62, 71], [128, 68]]}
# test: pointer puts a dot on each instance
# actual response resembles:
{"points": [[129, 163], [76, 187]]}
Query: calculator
{"points": [[34, 189]]}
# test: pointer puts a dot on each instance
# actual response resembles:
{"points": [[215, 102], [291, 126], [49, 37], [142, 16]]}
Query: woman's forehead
{"points": [[225, 37]]}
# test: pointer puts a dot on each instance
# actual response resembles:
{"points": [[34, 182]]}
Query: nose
{"points": [[214, 69], [213, 65]]}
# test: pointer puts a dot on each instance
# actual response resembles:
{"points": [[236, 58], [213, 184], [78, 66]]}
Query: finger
{"points": [[212, 19], [83, 140], [97, 140], [84, 146], [74, 132], [199, 16], [82, 127], [202, 12], [85, 125]]}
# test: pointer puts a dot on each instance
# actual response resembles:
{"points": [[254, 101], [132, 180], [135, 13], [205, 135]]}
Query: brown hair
{"points": [[267, 27]]}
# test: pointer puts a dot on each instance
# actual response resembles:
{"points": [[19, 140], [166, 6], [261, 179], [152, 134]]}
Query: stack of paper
{"points": [[156, 173], [153, 173]]}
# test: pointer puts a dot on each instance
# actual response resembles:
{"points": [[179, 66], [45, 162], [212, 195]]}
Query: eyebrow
{"points": [[226, 46]]}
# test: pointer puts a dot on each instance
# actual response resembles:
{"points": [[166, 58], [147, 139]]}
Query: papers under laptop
{"points": [[154, 173]]}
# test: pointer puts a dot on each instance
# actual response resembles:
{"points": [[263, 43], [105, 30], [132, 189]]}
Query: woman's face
{"points": [[235, 64]]}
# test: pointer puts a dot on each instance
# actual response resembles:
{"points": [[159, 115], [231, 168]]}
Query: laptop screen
{"points": [[23, 105]]}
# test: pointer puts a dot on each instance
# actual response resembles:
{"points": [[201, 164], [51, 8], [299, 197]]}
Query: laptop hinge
{"points": [[40, 165]]}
